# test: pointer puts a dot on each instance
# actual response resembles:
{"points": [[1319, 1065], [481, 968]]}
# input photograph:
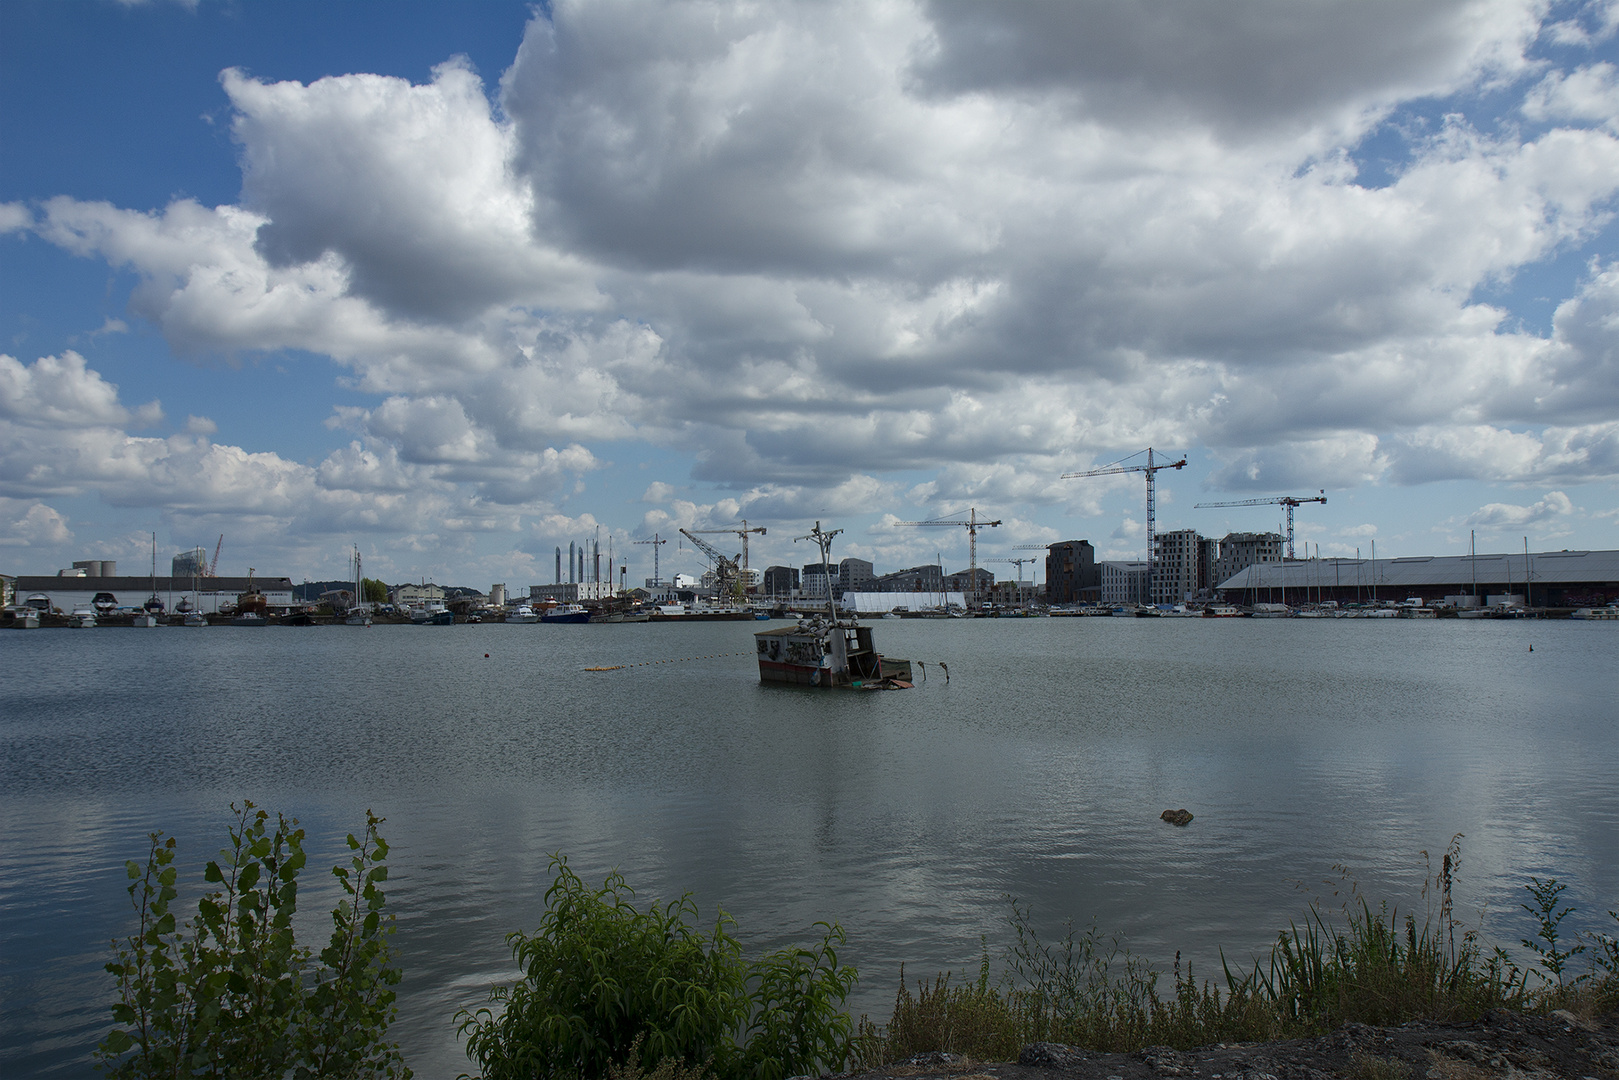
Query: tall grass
{"points": [[1367, 965]]}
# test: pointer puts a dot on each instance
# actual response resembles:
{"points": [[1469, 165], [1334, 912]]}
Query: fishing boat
{"points": [[823, 651], [359, 612]]}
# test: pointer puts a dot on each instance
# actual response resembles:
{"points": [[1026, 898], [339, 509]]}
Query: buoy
{"points": [[486, 656]]}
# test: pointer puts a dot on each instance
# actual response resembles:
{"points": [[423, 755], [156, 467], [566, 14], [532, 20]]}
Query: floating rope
{"points": [[679, 660]]}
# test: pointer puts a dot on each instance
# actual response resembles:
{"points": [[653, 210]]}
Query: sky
{"points": [[461, 283]]}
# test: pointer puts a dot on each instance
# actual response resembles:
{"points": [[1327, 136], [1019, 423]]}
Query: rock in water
{"points": [[1177, 817]]}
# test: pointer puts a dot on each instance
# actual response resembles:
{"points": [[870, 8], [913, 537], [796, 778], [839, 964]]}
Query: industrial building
{"points": [[1555, 579], [110, 592]]}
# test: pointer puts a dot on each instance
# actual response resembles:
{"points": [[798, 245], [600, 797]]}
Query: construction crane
{"points": [[213, 567], [656, 542], [727, 576], [1018, 563], [1292, 502], [972, 525], [743, 533], [1151, 469]]}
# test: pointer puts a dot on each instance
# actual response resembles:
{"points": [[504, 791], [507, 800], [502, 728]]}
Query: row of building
{"points": [[1186, 566]]}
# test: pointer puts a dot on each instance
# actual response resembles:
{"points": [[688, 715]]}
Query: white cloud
{"points": [[816, 246], [1555, 504], [30, 523], [14, 217]]}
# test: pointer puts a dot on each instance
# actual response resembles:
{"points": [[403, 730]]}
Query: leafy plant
{"points": [[604, 980], [1546, 895], [229, 993]]}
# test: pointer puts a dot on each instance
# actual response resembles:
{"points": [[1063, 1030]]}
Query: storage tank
{"points": [[497, 596]]}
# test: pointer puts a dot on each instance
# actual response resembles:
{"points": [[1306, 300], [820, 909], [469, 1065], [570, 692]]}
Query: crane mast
{"points": [[972, 525], [1150, 469], [1292, 502], [656, 542]]}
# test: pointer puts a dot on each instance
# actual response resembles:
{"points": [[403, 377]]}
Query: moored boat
{"points": [[566, 613]]}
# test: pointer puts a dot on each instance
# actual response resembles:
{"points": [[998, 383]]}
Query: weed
{"points": [[1547, 898]]}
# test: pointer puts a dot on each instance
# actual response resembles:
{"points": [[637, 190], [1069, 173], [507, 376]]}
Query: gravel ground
{"points": [[1500, 1044]]}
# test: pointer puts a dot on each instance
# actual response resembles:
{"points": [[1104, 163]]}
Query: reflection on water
{"points": [[1038, 771]]}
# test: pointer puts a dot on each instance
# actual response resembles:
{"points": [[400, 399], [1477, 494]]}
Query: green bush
{"points": [[604, 980], [231, 993]]}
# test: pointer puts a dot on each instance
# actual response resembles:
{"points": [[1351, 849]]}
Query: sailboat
{"points": [[359, 614], [149, 613]]}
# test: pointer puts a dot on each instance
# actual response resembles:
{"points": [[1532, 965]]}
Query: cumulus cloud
{"points": [[816, 246], [1555, 504], [30, 523]]}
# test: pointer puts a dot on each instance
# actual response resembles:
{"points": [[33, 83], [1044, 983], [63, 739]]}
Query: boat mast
{"points": [[823, 540]]}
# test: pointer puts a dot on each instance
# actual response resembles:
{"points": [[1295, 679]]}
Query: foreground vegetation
{"points": [[613, 990], [1372, 967]]}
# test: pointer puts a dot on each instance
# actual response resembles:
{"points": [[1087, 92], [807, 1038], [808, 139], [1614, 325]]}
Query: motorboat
{"points": [[567, 613]]}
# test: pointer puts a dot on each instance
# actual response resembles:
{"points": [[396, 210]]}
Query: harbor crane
{"points": [[213, 567], [972, 525], [727, 575], [656, 542], [1292, 502], [1151, 469], [743, 533]]}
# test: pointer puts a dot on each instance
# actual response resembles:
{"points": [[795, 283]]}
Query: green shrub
{"points": [[230, 993], [603, 980]]}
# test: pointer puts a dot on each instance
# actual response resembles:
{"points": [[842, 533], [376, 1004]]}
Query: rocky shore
{"points": [[1500, 1044]]}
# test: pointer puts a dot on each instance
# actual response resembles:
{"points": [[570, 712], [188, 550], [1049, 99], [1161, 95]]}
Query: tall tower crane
{"points": [[1151, 469], [656, 542], [1292, 502], [1018, 563], [743, 533], [972, 525], [727, 578]]}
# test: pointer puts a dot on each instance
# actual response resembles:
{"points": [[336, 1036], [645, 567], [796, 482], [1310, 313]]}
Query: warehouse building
{"points": [[1556, 579], [208, 595]]}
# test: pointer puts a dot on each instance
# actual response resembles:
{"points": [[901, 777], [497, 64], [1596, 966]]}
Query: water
{"points": [[1038, 771]]}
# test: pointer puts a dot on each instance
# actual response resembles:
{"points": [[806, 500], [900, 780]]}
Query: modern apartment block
{"points": [[1239, 551], [854, 575], [779, 581], [1071, 573], [1123, 582], [1181, 566]]}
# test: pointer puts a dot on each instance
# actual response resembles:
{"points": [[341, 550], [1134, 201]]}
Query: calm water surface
{"points": [[1038, 771]]}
